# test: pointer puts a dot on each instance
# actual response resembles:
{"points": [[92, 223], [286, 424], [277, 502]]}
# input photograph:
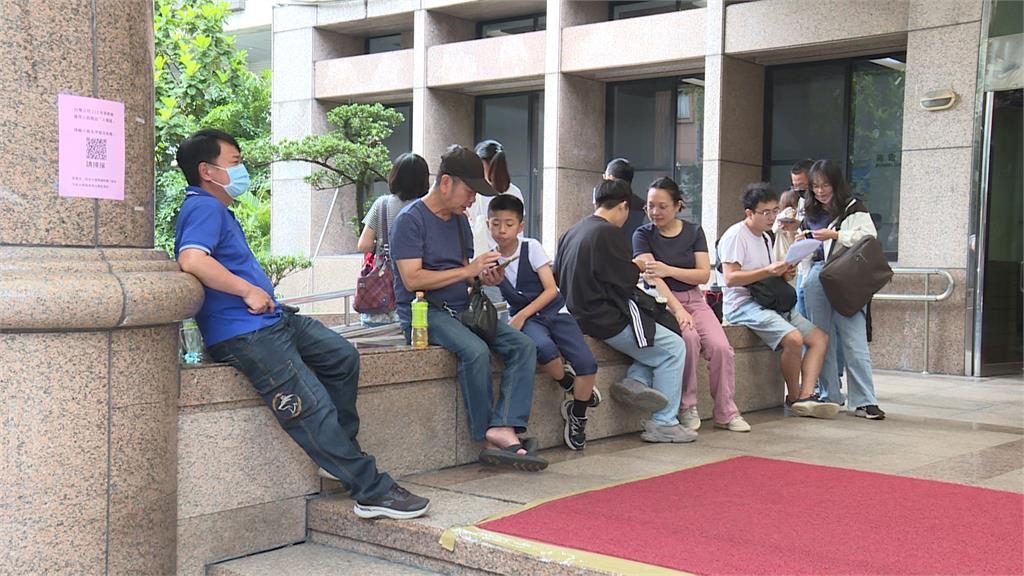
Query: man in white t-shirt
{"points": [[746, 258]]}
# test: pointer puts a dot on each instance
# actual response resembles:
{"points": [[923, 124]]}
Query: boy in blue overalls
{"points": [[536, 308]]}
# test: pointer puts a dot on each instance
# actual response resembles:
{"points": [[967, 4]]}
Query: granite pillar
{"points": [[88, 326]]}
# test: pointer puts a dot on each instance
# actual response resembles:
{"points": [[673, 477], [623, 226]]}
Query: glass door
{"points": [[1001, 346]]}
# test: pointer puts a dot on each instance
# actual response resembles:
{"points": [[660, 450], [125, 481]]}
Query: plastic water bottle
{"points": [[419, 321], [191, 342]]}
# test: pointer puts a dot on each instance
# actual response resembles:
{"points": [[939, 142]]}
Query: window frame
{"points": [[534, 17]]}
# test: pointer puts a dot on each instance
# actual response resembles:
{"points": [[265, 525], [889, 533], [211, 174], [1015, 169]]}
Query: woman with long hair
{"points": [[408, 180], [677, 251], [492, 153], [834, 217]]}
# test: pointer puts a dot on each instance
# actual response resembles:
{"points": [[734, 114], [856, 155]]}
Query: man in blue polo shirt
{"points": [[305, 372]]}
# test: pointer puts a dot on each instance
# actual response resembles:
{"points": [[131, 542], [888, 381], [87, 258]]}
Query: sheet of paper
{"points": [[90, 149], [801, 249]]}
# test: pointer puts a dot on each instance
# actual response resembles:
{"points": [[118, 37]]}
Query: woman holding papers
{"points": [[677, 251], [833, 216]]}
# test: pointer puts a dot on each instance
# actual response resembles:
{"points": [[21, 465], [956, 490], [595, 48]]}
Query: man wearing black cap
{"points": [[597, 277], [432, 247]]}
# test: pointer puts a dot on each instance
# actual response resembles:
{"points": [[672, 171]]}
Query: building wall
{"points": [[580, 52]]}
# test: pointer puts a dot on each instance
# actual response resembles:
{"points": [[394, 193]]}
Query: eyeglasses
{"points": [[768, 212]]}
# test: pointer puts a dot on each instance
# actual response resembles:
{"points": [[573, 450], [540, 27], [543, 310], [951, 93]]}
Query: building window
{"points": [[845, 110], [517, 121], [236, 5], [397, 144], [519, 25], [378, 44], [623, 10], [658, 125]]}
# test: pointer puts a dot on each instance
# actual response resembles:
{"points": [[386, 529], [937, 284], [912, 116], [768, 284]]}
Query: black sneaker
{"points": [[871, 412], [575, 428], [396, 503]]}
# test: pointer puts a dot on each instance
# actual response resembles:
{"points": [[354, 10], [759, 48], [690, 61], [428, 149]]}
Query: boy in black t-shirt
{"points": [[595, 269]]}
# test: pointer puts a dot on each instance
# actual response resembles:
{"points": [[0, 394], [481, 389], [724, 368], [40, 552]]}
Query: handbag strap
{"points": [[385, 248], [837, 223]]}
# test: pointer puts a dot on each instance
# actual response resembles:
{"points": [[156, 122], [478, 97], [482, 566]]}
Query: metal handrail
{"points": [[927, 298], [346, 295]]}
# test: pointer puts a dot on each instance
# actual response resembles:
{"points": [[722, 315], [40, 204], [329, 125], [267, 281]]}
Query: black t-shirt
{"points": [[596, 275], [677, 251]]}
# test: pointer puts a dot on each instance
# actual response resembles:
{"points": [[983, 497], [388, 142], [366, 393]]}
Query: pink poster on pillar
{"points": [[90, 150]]}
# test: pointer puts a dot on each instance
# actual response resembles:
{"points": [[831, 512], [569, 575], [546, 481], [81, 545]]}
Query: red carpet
{"points": [[752, 515]]}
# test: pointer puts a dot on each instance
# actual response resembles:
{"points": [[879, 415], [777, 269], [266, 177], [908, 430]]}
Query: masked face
{"points": [[238, 182]]}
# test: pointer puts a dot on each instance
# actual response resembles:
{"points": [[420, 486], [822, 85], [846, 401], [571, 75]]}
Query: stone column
{"points": [[439, 117], [574, 127], [88, 333], [733, 117]]}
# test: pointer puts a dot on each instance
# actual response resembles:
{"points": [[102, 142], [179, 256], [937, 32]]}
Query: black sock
{"points": [[579, 408]]}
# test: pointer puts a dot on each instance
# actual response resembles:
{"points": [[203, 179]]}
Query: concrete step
{"points": [[313, 560], [417, 542]]}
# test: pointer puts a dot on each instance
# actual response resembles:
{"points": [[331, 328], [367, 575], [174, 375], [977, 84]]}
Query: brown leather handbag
{"points": [[851, 276]]}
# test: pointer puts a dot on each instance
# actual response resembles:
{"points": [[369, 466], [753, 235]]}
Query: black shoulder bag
{"points": [[773, 292], [480, 316]]}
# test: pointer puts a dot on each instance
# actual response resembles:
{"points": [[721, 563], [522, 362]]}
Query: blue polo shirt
{"points": [[207, 224]]}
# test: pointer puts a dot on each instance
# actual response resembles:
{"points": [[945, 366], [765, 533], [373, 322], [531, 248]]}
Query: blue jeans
{"points": [[307, 375], [474, 371], [846, 333], [659, 366], [801, 307]]}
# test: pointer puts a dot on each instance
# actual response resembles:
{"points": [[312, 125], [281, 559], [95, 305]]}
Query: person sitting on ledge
{"points": [[539, 311], [432, 250], [597, 274], [306, 373], [746, 258]]}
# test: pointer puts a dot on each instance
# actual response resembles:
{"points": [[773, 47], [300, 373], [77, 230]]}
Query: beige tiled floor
{"points": [[962, 430]]}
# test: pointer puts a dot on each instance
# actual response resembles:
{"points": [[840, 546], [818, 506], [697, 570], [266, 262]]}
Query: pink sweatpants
{"points": [[709, 341]]}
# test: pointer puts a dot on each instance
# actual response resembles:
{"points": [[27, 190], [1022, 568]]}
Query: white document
{"points": [[801, 249]]}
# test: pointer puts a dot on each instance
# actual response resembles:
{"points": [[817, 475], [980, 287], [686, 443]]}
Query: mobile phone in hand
{"points": [[506, 262]]}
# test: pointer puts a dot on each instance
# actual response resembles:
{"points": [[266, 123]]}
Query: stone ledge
{"points": [[113, 288], [216, 383]]}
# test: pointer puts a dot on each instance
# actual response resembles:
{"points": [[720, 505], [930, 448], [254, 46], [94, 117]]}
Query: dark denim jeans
{"points": [[515, 394], [307, 375]]}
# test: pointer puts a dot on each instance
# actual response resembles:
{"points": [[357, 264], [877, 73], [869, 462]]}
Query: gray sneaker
{"points": [[654, 432], [638, 395], [812, 407]]}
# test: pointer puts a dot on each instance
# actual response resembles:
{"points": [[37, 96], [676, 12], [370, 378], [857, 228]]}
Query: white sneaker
{"points": [[690, 418], [737, 424], [327, 475]]}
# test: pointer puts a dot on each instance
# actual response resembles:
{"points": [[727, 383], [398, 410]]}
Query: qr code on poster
{"points": [[95, 148]]}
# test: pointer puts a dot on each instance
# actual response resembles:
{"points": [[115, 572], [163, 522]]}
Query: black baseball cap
{"points": [[464, 164], [617, 190]]}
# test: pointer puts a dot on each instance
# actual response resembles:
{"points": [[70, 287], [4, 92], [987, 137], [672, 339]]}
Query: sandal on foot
{"points": [[509, 457]]}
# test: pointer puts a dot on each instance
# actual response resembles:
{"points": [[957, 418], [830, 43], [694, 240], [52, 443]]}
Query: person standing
{"points": [[849, 221]]}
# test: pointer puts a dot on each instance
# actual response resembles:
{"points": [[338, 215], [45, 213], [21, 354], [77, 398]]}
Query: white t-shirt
{"points": [[741, 246], [477, 214], [538, 259]]}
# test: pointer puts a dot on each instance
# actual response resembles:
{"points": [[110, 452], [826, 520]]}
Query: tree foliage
{"points": [[202, 80], [351, 153]]}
